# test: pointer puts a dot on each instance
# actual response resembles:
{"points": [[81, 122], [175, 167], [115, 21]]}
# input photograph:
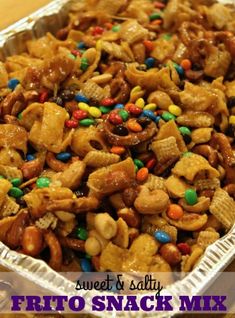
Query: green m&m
{"points": [[190, 196], [16, 192], [43, 182]]}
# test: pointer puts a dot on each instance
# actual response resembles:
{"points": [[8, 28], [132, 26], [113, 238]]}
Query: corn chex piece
{"points": [[9, 207], [48, 220], [207, 184], [206, 238], [223, 208], [165, 149], [131, 31], [170, 129], [93, 91], [190, 166], [155, 183], [10, 172], [98, 159]]}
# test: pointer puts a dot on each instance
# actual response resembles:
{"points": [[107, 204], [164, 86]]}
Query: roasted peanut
{"points": [[32, 240], [129, 195], [103, 242], [130, 216], [170, 253], [117, 201], [151, 202], [92, 246], [105, 225]]}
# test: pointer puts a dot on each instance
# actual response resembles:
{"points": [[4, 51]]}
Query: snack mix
{"points": [[117, 137]]}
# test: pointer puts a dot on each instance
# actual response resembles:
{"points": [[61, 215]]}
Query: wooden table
{"points": [[13, 10]]}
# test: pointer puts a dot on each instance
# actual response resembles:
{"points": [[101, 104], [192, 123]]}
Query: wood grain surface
{"points": [[13, 10]]}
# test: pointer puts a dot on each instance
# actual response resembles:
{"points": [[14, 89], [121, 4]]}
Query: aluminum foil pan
{"points": [[217, 257]]}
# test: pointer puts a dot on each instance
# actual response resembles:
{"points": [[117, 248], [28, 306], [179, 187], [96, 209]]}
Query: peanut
{"points": [[130, 216], [32, 240], [170, 253], [129, 195], [105, 225], [92, 246], [103, 242]]}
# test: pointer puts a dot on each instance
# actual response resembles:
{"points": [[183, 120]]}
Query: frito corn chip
{"points": [[196, 119], [176, 187], [190, 166], [112, 258], [113, 178], [188, 222]]}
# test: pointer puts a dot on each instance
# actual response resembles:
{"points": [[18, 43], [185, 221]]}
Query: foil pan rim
{"points": [[27, 22], [196, 281], [215, 259]]}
